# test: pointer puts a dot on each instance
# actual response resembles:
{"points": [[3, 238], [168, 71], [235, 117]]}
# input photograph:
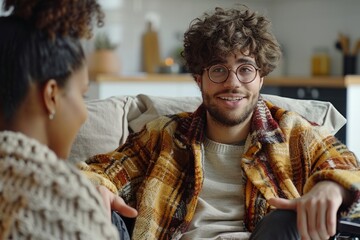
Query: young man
{"points": [[220, 172]]}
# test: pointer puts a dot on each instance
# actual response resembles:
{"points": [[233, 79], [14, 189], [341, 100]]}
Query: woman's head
{"points": [[40, 52], [213, 37]]}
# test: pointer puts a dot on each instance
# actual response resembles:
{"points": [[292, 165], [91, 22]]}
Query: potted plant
{"points": [[102, 42], [104, 59]]}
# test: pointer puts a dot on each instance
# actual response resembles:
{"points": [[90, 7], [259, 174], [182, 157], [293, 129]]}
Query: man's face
{"points": [[231, 102]]}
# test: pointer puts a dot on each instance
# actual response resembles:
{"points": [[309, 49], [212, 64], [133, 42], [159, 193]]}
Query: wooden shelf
{"points": [[286, 81], [328, 82], [145, 78]]}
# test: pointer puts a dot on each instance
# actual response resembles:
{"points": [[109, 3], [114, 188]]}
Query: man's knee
{"points": [[278, 224]]}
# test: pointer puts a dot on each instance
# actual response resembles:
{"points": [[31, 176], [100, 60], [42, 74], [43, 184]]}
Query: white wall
{"points": [[300, 26], [304, 25]]}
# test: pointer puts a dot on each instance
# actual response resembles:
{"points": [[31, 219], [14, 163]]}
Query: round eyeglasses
{"points": [[245, 73]]}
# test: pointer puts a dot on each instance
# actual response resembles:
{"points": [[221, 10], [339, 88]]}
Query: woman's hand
{"points": [[316, 210], [116, 203]]}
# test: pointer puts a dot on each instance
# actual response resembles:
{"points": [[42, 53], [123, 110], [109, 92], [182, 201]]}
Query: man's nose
{"points": [[232, 80]]}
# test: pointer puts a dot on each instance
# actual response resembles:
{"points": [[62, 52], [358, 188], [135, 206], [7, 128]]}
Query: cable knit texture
{"points": [[43, 197]]}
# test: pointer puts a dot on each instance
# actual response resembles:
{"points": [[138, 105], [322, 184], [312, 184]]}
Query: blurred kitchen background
{"points": [[302, 27], [315, 35]]}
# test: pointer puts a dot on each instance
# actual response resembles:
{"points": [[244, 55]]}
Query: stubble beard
{"points": [[225, 119]]}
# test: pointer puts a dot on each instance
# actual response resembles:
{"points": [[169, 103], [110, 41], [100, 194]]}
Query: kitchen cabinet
{"points": [[342, 92]]}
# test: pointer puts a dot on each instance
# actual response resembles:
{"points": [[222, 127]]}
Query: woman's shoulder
{"points": [[44, 193]]}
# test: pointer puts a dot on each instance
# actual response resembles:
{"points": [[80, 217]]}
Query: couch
{"points": [[111, 120]]}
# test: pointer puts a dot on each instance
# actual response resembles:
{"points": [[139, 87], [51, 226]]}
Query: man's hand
{"points": [[116, 203], [316, 210]]}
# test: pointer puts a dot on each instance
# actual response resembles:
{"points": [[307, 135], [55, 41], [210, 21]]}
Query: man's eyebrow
{"points": [[241, 60], [246, 60]]}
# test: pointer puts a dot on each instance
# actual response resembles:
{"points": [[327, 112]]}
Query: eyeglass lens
{"points": [[245, 73]]}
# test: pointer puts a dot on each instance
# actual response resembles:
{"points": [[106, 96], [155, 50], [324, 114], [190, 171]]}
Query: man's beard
{"points": [[224, 119]]}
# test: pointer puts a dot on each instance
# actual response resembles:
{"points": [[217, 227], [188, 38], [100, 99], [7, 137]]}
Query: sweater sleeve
{"points": [[331, 160], [46, 198]]}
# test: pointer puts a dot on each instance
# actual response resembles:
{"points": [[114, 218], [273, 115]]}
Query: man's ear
{"points": [[50, 96], [261, 82], [198, 79]]}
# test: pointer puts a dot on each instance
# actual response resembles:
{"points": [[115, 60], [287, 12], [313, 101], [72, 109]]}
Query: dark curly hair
{"points": [[213, 37], [58, 17], [39, 41]]}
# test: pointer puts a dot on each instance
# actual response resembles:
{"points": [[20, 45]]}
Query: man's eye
{"points": [[247, 68], [218, 69]]}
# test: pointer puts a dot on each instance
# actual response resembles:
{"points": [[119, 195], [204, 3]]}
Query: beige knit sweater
{"points": [[43, 197]]}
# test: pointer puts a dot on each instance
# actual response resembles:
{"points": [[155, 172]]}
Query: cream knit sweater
{"points": [[43, 197]]}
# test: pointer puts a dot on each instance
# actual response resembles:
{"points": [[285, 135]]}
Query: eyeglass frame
{"points": [[230, 70]]}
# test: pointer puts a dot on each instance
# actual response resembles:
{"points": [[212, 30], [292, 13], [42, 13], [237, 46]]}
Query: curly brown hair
{"points": [[213, 37], [58, 17]]}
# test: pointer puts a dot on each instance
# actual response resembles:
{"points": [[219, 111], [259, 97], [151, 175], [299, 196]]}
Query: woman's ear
{"points": [[50, 96]]}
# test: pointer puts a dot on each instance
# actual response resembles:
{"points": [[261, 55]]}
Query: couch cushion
{"points": [[105, 127], [111, 120], [320, 112]]}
